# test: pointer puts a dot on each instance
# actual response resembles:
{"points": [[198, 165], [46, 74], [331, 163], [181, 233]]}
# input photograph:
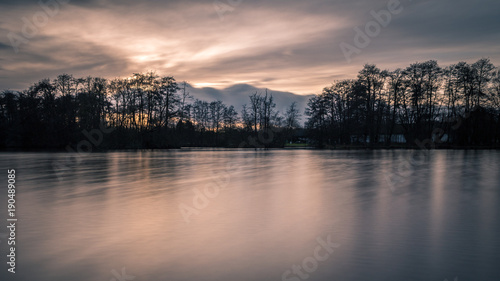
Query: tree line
{"points": [[454, 106], [141, 111]]}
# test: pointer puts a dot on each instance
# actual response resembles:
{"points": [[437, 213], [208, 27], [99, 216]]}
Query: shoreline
{"points": [[338, 148]]}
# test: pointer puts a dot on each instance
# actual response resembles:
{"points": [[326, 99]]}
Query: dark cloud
{"points": [[5, 47], [287, 45], [238, 94]]}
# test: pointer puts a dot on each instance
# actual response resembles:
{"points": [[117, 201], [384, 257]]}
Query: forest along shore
{"points": [[421, 106]]}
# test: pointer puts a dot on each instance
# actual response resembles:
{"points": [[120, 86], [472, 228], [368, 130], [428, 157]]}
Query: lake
{"points": [[293, 214]]}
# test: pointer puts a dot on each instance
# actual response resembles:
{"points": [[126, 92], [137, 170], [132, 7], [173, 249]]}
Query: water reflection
{"points": [[121, 209]]}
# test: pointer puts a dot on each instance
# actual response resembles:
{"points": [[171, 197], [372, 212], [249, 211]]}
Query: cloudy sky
{"points": [[285, 45]]}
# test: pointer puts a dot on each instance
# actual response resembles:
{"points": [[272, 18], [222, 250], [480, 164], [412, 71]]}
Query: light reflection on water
{"points": [[121, 209]]}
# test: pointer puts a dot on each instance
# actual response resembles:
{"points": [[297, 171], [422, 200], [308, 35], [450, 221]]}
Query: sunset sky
{"points": [[285, 45]]}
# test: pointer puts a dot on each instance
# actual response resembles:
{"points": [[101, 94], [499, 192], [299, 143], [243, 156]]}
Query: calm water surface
{"points": [[255, 215]]}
